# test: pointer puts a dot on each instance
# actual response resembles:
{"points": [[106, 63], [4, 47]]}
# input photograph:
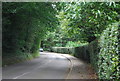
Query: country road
{"points": [[48, 66]]}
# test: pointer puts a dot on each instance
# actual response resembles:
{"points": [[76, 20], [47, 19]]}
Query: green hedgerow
{"points": [[108, 56]]}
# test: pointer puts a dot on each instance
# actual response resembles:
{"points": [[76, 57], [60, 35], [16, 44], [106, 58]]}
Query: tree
{"points": [[87, 19], [25, 24]]}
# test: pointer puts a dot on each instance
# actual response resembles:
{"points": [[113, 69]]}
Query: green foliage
{"points": [[80, 21], [93, 50], [87, 20], [108, 63], [75, 44], [65, 50], [53, 38], [80, 52], [103, 53], [25, 25], [58, 38], [18, 57]]}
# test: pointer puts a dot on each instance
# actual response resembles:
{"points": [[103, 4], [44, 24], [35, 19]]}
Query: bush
{"points": [[18, 57], [82, 52], [109, 56], [93, 50], [67, 50]]}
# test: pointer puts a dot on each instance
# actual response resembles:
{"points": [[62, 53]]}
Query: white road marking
{"points": [[32, 70], [21, 75], [71, 66]]}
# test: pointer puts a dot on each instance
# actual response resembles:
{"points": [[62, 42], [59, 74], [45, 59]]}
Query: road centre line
{"points": [[31, 70]]}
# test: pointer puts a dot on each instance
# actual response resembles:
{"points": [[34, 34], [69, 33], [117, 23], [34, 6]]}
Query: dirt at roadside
{"points": [[81, 70], [92, 73]]}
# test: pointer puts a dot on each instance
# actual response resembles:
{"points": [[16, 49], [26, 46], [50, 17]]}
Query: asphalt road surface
{"points": [[48, 66]]}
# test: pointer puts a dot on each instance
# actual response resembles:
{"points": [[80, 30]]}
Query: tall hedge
{"points": [[93, 51], [103, 53], [108, 63], [68, 50]]}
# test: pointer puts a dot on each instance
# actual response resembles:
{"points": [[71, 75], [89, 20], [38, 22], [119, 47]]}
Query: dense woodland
{"points": [[92, 27]]}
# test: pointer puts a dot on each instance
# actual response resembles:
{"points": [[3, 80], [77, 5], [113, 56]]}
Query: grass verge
{"points": [[17, 58]]}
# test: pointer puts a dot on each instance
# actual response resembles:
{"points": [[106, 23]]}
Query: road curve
{"points": [[48, 66]]}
